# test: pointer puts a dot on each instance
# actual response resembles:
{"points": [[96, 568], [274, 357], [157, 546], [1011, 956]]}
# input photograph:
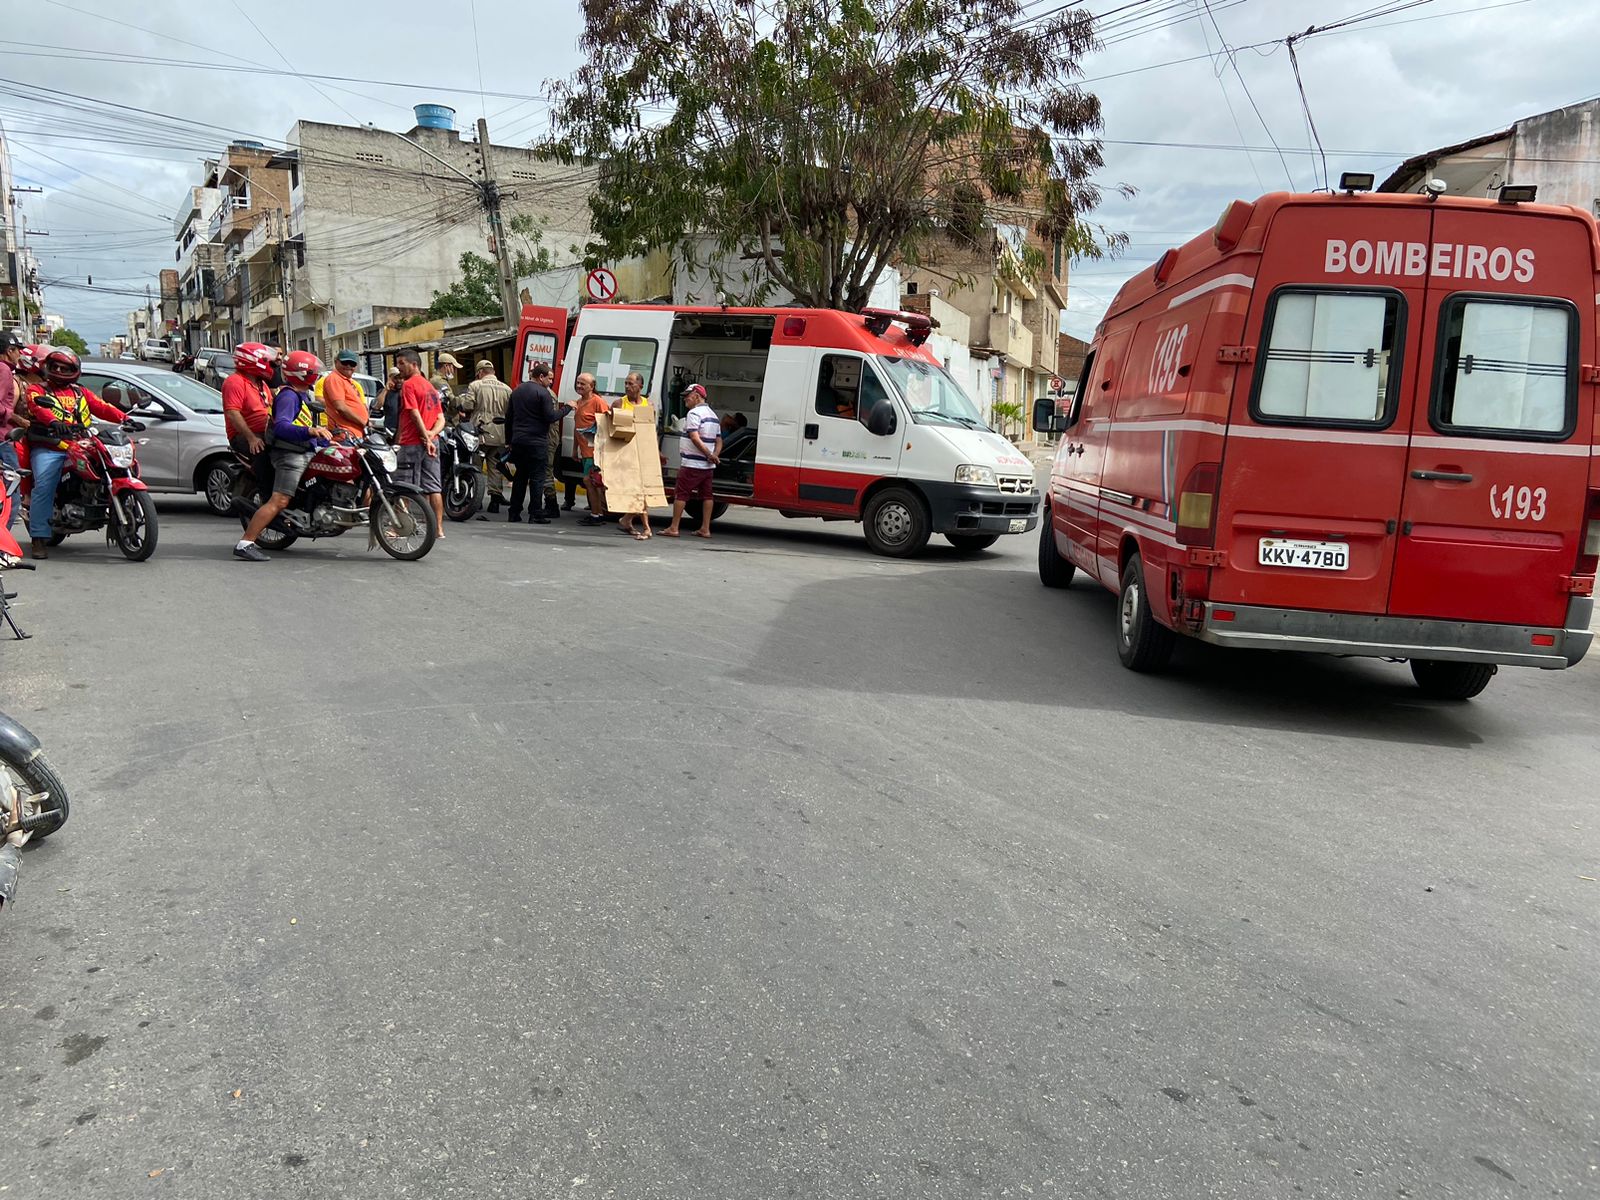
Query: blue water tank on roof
{"points": [[434, 116]]}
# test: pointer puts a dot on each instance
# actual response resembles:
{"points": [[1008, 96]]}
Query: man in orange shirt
{"points": [[590, 403], [345, 402]]}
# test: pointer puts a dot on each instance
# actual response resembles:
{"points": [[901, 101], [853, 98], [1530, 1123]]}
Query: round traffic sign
{"points": [[601, 284]]}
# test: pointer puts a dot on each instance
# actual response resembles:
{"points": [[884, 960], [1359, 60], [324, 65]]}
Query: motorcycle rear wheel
{"points": [[37, 775], [465, 495], [137, 539], [397, 542]]}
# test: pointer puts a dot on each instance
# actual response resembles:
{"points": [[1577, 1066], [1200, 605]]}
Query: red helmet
{"points": [[301, 369], [32, 360], [254, 360], [62, 366]]}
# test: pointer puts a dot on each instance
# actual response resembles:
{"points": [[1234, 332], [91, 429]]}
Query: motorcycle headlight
{"points": [[972, 473], [470, 441], [121, 456], [389, 459]]}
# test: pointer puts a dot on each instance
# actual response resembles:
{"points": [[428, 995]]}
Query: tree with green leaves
{"points": [[829, 139], [71, 340], [475, 294]]}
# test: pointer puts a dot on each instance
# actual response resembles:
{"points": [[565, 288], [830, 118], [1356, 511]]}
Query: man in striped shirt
{"points": [[699, 451]]}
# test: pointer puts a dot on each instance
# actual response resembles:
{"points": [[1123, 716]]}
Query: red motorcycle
{"points": [[344, 487], [100, 488]]}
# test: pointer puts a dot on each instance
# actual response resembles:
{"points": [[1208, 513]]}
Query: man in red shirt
{"points": [[421, 422], [247, 398]]}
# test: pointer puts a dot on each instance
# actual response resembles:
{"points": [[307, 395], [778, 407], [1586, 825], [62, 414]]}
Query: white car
{"points": [[156, 350]]}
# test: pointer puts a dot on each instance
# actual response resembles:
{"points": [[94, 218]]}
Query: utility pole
{"points": [[497, 230], [489, 196], [11, 202]]}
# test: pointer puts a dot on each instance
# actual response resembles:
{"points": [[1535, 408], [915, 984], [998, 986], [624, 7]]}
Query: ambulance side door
{"points": [[1085, 455]]}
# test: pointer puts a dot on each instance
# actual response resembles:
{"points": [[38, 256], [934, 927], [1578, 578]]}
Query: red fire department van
{"points": [[1346, 424], [848, 416]]}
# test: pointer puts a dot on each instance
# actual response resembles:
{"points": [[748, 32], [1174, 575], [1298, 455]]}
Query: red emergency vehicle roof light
{"points": [[1231, 224], [918, 326], [1164, 265], [794, 327]]}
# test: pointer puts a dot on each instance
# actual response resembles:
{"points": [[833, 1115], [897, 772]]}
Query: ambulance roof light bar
{"points": [[1352, 182], [918, 326], [1518, 193]]}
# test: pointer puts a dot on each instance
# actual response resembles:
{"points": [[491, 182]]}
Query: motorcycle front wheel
{"points": [[136, 537], [35, 776], [465, 495], [412, 531]]}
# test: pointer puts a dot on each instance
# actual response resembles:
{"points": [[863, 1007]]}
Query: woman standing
{"points": [[633, 398]]}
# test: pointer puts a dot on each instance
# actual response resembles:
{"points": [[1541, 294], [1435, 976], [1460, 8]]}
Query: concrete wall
{"points": [[1560, 151]]}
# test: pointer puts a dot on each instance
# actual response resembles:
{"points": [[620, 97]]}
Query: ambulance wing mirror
{"points": [[881, 419], [1047, 416]]}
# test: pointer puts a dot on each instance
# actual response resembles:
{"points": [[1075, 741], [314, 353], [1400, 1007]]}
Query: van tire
{"points": [[1451, 680], [1143, 643], [971, 543], [1054, 571], [896, 523]]}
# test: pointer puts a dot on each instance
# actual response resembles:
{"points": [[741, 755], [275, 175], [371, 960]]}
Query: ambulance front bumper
{"points": [[966, 508], [1367, 636]]}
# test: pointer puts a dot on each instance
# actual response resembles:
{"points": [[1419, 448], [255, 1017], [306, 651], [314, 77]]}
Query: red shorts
{"points": [[693, 482]]}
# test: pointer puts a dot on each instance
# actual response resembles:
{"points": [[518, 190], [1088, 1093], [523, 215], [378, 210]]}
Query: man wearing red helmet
{"points": [[57, 413], [246, 396], [292, 436]]}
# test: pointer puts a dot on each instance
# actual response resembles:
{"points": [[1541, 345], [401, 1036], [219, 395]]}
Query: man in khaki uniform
{"points": [[485, 399], [443, 379]]}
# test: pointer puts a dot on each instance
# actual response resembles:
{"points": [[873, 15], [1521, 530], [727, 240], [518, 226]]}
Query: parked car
{"points": [[127, 356], [185, 444], [213, 366], [156, 350]]}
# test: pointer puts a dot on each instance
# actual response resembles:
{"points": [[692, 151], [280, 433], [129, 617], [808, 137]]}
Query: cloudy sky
{"points": [[1182, 126]]}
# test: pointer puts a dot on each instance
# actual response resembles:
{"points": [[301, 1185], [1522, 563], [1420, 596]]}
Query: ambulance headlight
{"points": [[972, 473]]}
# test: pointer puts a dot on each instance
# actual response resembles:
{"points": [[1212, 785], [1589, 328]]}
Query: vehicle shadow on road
{"points": [[962, 634]]}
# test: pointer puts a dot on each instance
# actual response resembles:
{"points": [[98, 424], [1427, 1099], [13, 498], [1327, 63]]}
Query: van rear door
{"points": [[1498, 475], [1317, 435]]}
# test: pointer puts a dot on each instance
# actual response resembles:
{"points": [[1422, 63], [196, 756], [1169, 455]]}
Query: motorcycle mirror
{"points": [[135, 426]]}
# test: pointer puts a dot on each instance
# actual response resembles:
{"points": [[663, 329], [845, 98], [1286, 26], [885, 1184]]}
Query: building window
{"points": [[367, 156], [528, 175]]}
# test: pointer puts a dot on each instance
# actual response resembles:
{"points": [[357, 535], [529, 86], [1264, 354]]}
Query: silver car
{"points": [[184, 447]]}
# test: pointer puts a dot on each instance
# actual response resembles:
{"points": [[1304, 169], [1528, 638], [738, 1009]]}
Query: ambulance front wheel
{"points": [[1054, 571], [1451, 680], [1143, 643], [897, 523]]}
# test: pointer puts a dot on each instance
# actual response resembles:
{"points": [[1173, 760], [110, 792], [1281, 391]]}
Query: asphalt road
{"points": [[561, 866]]}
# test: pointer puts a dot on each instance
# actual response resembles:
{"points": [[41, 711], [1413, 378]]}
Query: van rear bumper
{"points": [[1367, 636], [965, 508]]}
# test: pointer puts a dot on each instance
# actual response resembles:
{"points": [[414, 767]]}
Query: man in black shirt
{"points": [[530, 414]]}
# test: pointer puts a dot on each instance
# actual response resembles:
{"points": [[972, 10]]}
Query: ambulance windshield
{"points": [[932, 395]]}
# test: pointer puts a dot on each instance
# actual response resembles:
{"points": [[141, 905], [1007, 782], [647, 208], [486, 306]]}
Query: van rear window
{"points": [[1506, 368], [1329, 357]]}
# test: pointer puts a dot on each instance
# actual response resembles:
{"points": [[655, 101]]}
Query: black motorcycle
{"points": [[461, 470], [33, 802]]}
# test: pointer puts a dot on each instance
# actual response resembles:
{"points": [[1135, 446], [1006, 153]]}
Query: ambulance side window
{"points": [[1330, 357], [1506, 368]]}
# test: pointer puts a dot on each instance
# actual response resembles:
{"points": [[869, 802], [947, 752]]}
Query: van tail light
{"points": [[1197, 505], [1589, 552]]}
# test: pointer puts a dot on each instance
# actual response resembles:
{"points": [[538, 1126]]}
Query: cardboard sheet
{"points": [[630, 460]]}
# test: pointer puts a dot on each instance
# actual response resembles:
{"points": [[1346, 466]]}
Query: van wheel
{"points": [[1054, 571], [897, 524], [971, 543], [1451, 680], [1143, 643]]}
